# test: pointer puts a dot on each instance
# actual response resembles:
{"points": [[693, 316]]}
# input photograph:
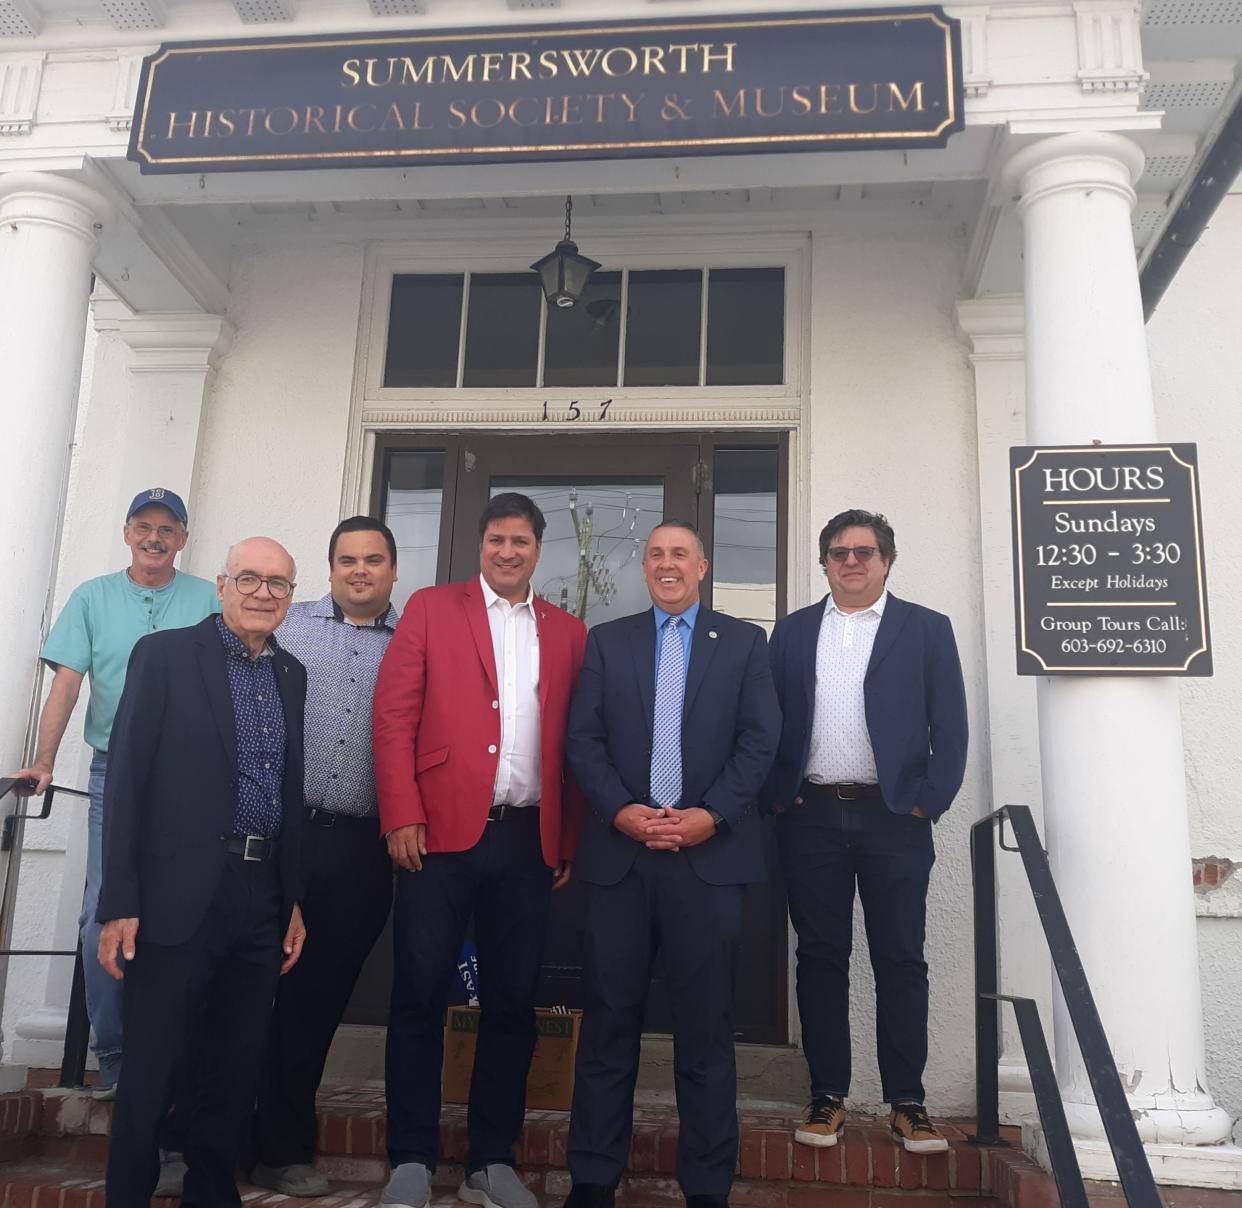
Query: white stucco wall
{"points": [[890, 424], [892, 428], [272, 446], [1196, 358]]}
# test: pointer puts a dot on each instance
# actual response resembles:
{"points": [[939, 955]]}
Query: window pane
{"points": [[662, 328], [591, 562], [580, 348], [746, 482], [502, 330], [412, 496], [424, 329], [745, 326]]}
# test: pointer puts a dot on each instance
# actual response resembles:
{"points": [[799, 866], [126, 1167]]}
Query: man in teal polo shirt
{"points": [[94, 636]]}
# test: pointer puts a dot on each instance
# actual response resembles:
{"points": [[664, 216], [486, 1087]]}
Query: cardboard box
{"points": [[550, 1086]]}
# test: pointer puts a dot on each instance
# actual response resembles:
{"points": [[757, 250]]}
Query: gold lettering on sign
{"points": [[855, 107], [915, 98], [629, 61], [192, 124], [577, 62], [767, 106]]}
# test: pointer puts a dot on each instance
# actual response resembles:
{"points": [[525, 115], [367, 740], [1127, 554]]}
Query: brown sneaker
{"points": [[825, 1119], [910, 1126]]}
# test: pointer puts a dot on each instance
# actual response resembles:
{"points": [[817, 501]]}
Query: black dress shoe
{"points": [[707, 1201], [590, 1195]]}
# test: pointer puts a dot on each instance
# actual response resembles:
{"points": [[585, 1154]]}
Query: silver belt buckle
{"points": [[256, 839]]}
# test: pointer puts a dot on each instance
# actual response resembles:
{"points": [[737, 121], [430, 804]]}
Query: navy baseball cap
{"points": [[163, 498]]}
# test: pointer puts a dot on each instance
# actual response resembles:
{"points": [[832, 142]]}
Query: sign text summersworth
{"points": [[881, 78], [1108, 561]]}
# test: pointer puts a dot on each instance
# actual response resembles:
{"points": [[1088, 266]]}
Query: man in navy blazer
{"points": [[672, 730], [201, 877], [872, 752]]}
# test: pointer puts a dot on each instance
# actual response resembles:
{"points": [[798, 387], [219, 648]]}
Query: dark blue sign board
{"points": [[882, 78], [1108, 561]]}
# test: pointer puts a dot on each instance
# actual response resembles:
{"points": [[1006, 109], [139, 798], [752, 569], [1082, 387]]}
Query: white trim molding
{"points": [[20, 79], [1110, 52]]}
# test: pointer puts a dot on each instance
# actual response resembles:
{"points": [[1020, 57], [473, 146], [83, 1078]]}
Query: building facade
{"points": [[770, 338]]}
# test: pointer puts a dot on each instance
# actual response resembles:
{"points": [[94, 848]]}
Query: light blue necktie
{"points": [[666, 730]]}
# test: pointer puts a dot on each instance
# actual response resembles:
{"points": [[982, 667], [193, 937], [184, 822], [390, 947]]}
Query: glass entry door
{"points": [[601, 497]]}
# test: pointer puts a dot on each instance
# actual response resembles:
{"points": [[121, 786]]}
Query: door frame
{"points": [[555, 455]]}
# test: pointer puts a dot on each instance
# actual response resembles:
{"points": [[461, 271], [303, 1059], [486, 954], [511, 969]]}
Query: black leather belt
{"points": [[251, 847], [506, 813], [321, 817], [846, 791]]}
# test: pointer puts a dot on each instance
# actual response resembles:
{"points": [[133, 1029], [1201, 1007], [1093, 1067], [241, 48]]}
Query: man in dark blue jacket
{"points": [[872, 752], [671, 732], [202, 873]]}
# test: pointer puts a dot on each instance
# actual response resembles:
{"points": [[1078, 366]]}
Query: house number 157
{"points": [[575, 412]]}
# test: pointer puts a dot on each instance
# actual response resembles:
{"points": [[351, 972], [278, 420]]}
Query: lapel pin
{"points": [[711, 633]]}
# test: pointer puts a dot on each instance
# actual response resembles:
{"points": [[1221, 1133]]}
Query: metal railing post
{"points": [[1133, 1169], [77, 1030], [987, 986]]}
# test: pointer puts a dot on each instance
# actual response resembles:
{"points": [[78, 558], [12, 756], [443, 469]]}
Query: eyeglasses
{"points": [[863, 553], [248, 584], [165, 532]]}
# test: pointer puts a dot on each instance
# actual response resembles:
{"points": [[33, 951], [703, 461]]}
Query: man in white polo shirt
{"points": [[93, 637]]}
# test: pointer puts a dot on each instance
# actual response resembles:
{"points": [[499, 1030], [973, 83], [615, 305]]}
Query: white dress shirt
{"points": [[515, 643], [840, 750]]}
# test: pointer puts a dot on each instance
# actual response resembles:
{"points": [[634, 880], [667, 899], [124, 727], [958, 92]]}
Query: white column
{"points": [[1110, 748], [996, 328], [142, 430], [48, 232]]}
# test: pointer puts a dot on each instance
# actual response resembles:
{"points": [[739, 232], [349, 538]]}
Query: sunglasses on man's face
{"points": [[862, 553]]}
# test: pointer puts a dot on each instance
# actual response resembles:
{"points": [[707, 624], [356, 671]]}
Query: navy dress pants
{"points": [[660, 906], [346, 897], [827, 848], [503, 882], [214, 991]]}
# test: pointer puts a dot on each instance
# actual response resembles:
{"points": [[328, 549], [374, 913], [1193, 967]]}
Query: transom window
{"points": [[711, 326]]}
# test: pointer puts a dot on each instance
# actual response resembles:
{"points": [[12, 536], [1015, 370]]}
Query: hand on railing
{"points": [[31, 781]]}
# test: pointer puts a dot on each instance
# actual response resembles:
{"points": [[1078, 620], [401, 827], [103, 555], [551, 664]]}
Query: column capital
{"points": [[166, 342], [995, 327], [49, 199], [1093, 159]]}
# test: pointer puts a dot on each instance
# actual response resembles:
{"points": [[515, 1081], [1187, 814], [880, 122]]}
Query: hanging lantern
{"points": [[563, 273]]}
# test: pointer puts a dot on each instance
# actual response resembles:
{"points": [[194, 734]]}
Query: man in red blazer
{"points": [[468, 730]]}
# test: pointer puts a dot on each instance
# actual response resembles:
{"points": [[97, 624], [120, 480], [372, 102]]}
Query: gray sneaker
{"points": [[299, 1179], [496, 1186], [409, 1187], [172, 1175]]}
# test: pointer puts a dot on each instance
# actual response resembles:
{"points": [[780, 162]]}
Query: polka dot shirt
{"points": [[260, 719]]}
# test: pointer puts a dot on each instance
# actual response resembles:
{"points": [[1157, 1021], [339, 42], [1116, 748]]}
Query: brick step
{"points": [[49, 1183], [352, 1145], [68, 1131]]}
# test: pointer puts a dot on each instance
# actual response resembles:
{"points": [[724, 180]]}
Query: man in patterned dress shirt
{"points": [[201, 873], [348, 875], [873, 751]]}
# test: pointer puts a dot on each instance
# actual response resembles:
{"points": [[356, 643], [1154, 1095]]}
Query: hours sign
{"points": [[1108, 561]]}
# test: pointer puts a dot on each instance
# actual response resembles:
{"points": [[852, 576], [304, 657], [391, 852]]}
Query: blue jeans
{"points": [[103, 993]]}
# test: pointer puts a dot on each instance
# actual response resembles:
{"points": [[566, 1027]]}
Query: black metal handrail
{"points": [[1137, 1181], [77, 1024]]}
